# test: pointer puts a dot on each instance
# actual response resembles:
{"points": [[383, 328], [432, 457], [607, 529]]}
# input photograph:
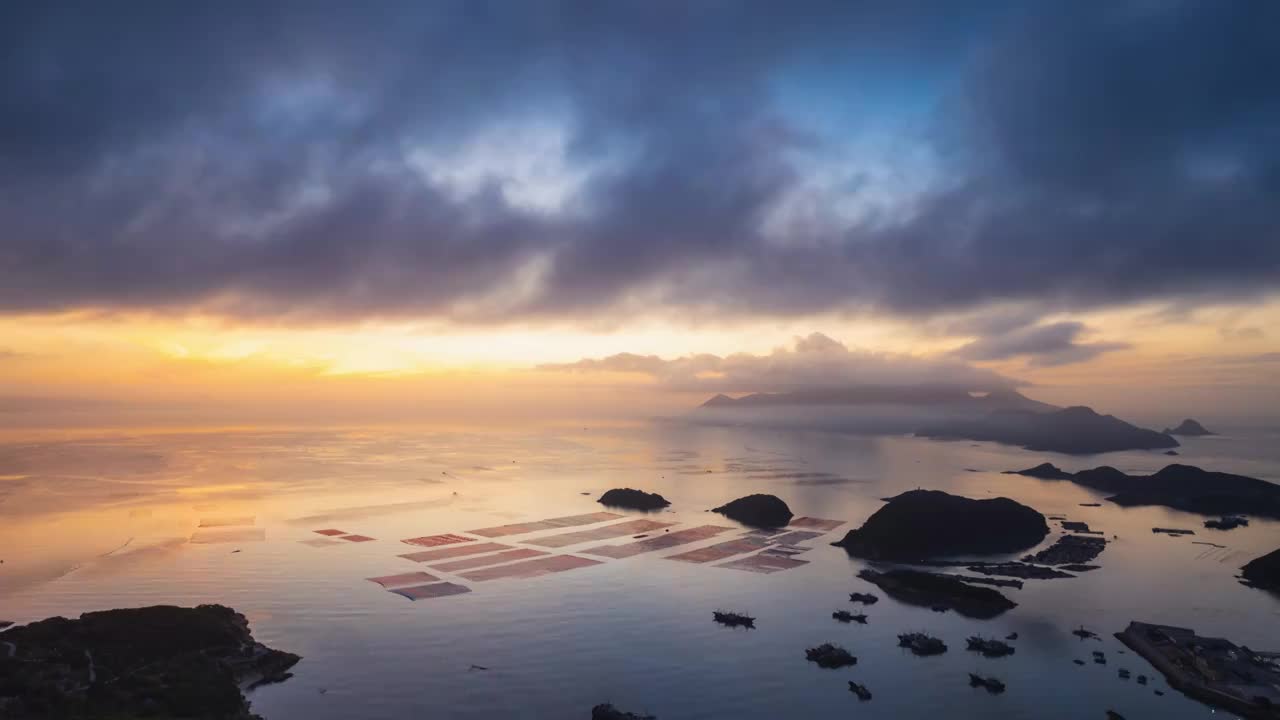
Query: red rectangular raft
{"points": [[722, 550], [438, 540], [483, 560], [549, 524], [792, 538], [409, 578], [812, 523], [356, 538], [434, 590], [631, 527], [765, 532], [453, 552], [531, 568], [658, 542], [330, 532], [763, 563], [786, 550]]}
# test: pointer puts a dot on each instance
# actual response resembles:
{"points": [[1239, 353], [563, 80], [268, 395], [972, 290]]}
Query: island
{"points": [[1212, 670], [160, 661], [864, 409], [1189, 428], [1072, 431], [1181, 487], [945, 592], [921, 524], [1263, 572], [633, 499], [766, 511]]}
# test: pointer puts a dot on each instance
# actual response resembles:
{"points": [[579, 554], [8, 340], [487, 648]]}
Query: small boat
{"points": [[992, 685], [864, 598], [860, 690], [989, 648], [733, 619], [845, 616], [1083, 634], [921, 644]]}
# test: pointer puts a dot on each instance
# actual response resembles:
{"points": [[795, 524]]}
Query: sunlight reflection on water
{"points": [[108, 520]]}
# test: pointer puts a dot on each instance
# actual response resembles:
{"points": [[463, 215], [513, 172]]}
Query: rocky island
{"points": [[1073, 431], [932, 590], [633, 499], [1181, 487], [160, 661], [921, 524], [1263, 572], [1189, 428], [758, 510]]}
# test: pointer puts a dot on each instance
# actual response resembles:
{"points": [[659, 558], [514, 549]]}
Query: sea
{"points": [[93, 520]]}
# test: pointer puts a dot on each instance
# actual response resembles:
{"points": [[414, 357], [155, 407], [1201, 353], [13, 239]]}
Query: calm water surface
{"points": [[108, 520]]}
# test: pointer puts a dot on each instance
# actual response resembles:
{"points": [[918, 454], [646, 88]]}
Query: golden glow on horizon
{"points": [[195, 359]]}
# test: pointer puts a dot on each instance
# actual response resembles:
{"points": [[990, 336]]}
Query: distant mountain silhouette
{"points": [[887, 395], [1181, 487], [869, 409], [1190, 428], [721, 400], [1074, 430]]}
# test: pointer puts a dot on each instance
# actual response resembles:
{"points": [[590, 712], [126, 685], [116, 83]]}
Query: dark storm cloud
{"points": [[1041, 345], [256, 158]]}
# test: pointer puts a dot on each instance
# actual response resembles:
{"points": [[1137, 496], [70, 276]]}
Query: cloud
{"points": [[287, 160], [1042, 345], [1242, 334], [813, 362]]}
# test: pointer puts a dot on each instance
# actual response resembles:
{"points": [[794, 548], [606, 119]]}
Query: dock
{"points": [[1214, 671]]}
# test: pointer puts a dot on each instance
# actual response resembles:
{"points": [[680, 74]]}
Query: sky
{"points": [[245, 212]]}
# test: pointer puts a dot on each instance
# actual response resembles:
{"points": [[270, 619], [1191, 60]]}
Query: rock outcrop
{"points": [[757, 510], [1189, 428], [922, 524], [160, 661], [633, 499], [1044, 471], [1263, 572]]}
